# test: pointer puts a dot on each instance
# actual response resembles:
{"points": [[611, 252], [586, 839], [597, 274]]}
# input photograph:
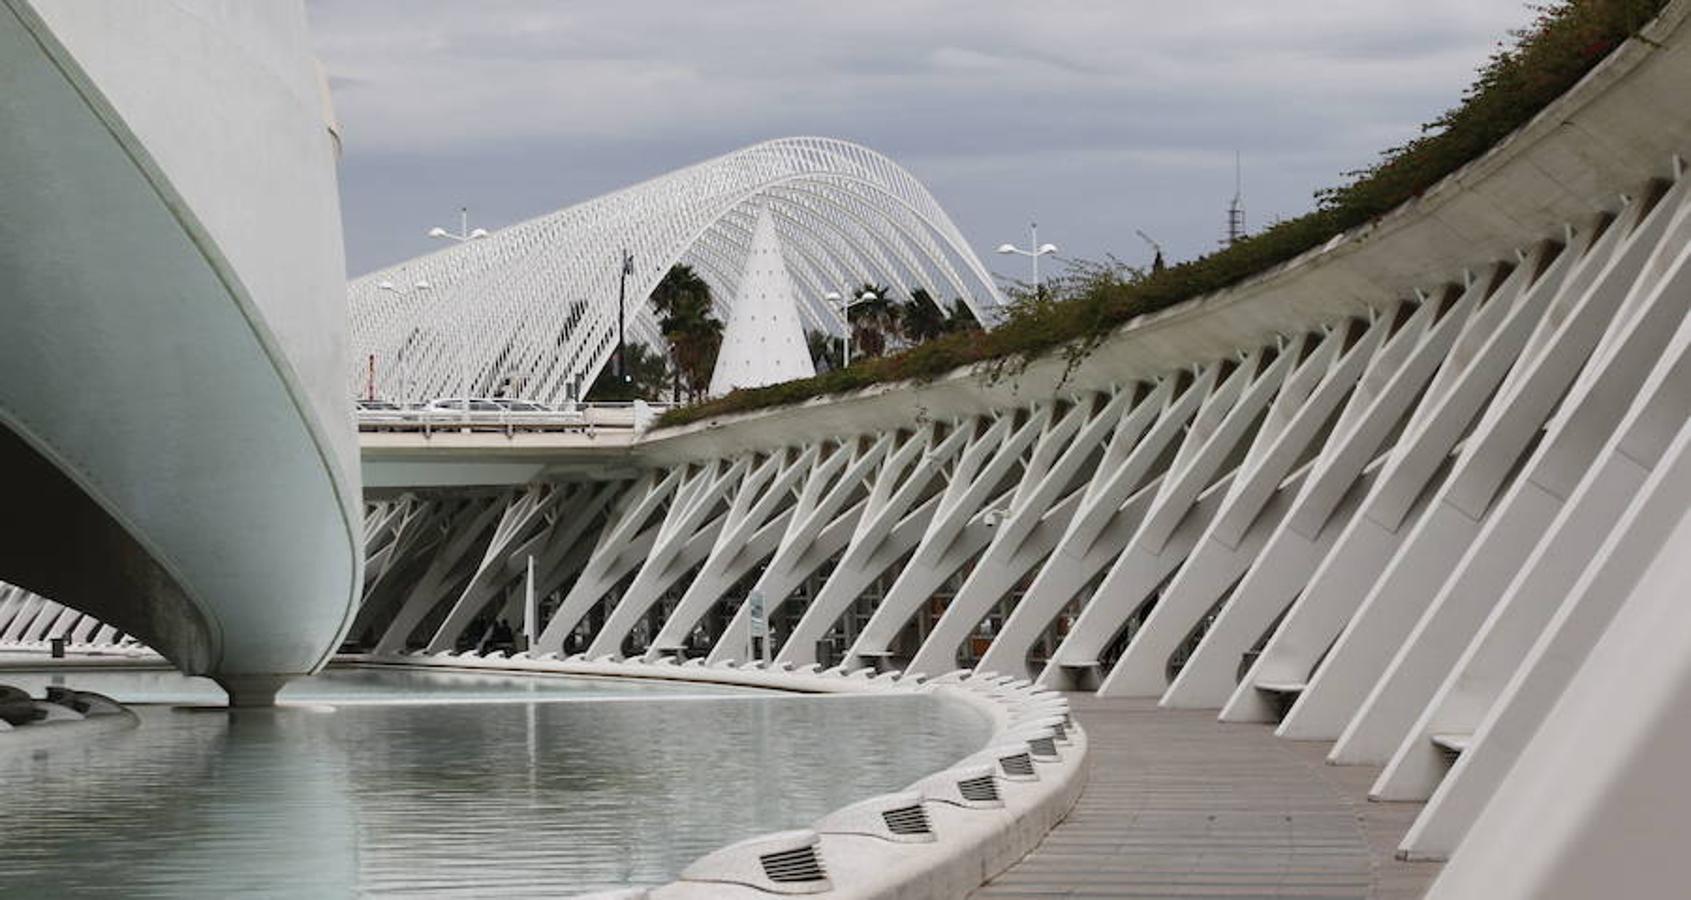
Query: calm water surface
{"points": [[383, 783]]}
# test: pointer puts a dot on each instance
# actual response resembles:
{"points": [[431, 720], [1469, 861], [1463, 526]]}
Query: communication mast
{"points": [[1157, 264], [1236, 209]]}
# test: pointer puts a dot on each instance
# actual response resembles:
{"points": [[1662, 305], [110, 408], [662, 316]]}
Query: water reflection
{"points": [[617, 784]]}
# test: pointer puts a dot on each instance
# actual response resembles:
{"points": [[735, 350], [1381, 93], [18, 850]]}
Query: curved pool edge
{"points": [[850, 849]]}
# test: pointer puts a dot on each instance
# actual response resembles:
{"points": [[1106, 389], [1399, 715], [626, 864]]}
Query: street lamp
{"points": [[1038, 251], [834, 300], [464, 234]]}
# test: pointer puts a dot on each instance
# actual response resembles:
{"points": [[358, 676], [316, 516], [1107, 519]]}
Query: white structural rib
{"points": [[532, 310]]}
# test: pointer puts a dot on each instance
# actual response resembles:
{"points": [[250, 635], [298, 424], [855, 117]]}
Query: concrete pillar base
{"points": [[251, 690]]}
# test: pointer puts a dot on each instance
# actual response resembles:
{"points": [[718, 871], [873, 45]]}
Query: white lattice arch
{"points": [[532, 308]]}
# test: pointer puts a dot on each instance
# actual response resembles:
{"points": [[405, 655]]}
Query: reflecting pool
{"points": [[389, 783]]}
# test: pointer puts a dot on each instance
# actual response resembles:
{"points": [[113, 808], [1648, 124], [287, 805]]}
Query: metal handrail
{"points": [[585, 417]]}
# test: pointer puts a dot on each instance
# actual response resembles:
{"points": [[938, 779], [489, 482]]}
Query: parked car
{"points": [[466, 404], [526, 406]]}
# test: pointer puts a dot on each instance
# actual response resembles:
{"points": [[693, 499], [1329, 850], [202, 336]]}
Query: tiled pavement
{"points": [[1180, 805]]}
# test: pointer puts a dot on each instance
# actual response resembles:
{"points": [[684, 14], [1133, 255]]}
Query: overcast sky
{"points": [[1096, 117]]}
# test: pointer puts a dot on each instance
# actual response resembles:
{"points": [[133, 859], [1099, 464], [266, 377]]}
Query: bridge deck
{"points": [[1181, 805]]}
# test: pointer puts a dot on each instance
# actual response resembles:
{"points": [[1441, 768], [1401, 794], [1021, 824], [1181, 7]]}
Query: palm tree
{"points": [[688, 320], [648, 377], [825, 350], [923, 319]]}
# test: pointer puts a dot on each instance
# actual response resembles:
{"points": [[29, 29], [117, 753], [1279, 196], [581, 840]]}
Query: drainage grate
{"points": [[793, 866], [1043, 747], [1061, 730], [979, 790], [1017, 764], [908, 820]]}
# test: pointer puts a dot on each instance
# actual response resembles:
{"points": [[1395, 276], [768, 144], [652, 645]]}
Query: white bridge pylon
{"points": [[531, 310], [1369, 532]]}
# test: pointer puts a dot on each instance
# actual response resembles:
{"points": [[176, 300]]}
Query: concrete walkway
{"points": [[1180, 805]]}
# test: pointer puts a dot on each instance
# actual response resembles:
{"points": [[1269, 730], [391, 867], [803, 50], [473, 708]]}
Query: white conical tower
{"points": [[764, 341]]}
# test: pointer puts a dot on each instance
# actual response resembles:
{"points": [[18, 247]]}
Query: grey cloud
{"points": [[1099, 116]]}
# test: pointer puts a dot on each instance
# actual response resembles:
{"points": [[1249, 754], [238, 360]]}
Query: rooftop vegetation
{"points": [[1539, 63]]}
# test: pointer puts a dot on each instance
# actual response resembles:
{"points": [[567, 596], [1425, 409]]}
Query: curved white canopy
{"points": [[533, 307]]}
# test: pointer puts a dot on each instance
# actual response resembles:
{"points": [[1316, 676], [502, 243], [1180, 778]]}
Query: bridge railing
{"points": [[582, 417]]}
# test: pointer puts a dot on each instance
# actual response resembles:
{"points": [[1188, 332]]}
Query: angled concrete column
{"points": [[823, 521], [1110, 606], [896, 515], [1101, 523], [39, 626], [467, 529], [621, 546], [958, 530], [684, 539], [27, 610], [384, 525], [522, 512], [1588, 416], [11, 601], [1526, 619], [1489, 461], [1261, 493], [1649, 542], [1193, 492], [1416, 465], [424, 526], [1594, 805], [1330, 494], [1039, 511], [751, 531]]}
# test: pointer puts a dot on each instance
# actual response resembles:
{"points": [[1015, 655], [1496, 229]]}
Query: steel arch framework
{"points": [[533, 308]]}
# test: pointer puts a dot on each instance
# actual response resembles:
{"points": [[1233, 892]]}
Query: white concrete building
{"points": [[173, 410]]}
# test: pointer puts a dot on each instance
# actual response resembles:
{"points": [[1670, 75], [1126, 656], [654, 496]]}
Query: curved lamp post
{"points": [[1034, 254], [464, 234], [835, 300]]}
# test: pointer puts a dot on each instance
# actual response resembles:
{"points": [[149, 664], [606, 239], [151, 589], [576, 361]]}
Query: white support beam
{"points": [[1489, 461], [522, 512], [466, 528], [684, 539], [1258, 499], [895, 517], [1537, 597], [823, 522], [1591, 412], [1329, 496], [957, 531], [1593, 805], [1103, 521], [621, 545], [1190, 497], [1039, 514], [1416, 465], [751, 532]]}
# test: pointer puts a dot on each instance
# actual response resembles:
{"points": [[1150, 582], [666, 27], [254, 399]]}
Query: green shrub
{"points": [[1564, 42]]}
